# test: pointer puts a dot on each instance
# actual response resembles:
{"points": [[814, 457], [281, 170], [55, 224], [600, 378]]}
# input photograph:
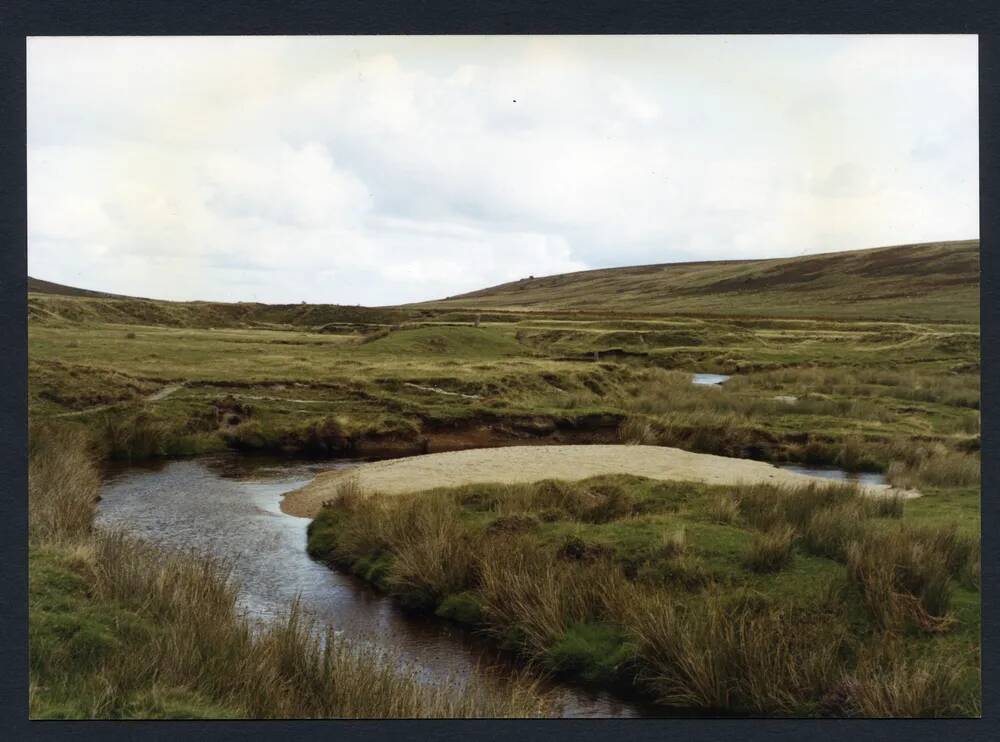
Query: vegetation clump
{"points": [[688, 608], [119, 628]]}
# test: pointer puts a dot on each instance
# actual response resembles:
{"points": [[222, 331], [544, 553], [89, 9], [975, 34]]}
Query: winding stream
{"points": [[228, 506]]}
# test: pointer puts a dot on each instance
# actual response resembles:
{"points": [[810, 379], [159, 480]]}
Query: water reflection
{"points": [[709, 378], [228, 506]]}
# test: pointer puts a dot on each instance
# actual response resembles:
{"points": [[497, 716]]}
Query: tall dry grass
{"points": [[890, 683], [939, 467], [721, 653], [187, 633], [63, 484], [905, 579], [771, 550], [292, 668]]}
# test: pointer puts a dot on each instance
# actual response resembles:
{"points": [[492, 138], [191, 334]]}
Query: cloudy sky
{"points": [[379, 170]]}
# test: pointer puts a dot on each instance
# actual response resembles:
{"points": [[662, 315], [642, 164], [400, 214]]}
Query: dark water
{"points": [[228, 506], [708, 378], [829, 472]]}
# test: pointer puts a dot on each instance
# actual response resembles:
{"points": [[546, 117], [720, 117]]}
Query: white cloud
{"points": [[388, 169]]}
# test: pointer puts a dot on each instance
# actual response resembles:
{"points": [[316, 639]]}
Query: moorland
{"points": [[867, 361]]}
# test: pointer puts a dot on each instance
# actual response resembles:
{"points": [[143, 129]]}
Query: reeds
{"points": [[889, 683], [62, 484], [721, 653], [122, 628]]}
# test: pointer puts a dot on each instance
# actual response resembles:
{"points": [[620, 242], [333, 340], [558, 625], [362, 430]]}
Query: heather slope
{"points": [[934, 281]]}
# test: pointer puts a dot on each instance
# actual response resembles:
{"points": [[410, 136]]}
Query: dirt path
{"points": [[437, 390], [164, 392], [154, 397], [517, 464]]}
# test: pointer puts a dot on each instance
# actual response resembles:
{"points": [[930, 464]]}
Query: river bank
{"points": [[523, 464]]}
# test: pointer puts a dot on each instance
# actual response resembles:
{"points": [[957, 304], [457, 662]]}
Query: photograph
{"points": [[503, 376]]}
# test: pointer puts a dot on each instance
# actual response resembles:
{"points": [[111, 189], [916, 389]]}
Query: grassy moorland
{"points": [[751, 599], [857, 393], [866, 361]]}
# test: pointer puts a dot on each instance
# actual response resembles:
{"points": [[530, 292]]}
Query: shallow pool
{"points": [[709, 378], [829, 472]]}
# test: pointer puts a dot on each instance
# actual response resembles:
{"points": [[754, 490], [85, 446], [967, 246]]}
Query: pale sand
{"points": [[518, 464]]}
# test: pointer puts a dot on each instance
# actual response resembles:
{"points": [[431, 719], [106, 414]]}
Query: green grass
{"points": [[583, 579], [431, 382], [119, 629]]}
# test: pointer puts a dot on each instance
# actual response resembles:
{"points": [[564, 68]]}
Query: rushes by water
{"points": [[123, 629], [753, 599]]}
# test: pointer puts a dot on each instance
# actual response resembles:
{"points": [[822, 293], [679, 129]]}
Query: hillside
{"points": [[936, 281], [38, 286], [52, 302]]}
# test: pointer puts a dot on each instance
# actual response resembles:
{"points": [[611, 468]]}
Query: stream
{"points": [[709, 379], [227, 506]]}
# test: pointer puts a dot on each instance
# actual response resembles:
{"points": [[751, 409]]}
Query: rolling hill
{"points": [[936, 281], [38, 286], [933, 281]]}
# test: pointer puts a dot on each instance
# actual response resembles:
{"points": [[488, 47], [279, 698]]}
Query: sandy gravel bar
{"points": [[518, 464]]}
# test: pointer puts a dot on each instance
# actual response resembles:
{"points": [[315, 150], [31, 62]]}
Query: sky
{"points": [[384, 170]]}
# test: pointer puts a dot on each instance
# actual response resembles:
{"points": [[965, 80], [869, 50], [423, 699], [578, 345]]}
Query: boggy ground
{"points": [[861, 393], [748, 599], [856, 394]]}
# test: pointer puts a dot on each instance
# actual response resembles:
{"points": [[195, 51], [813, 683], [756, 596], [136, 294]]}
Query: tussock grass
{"points": [[120, 628], [905, 580], [889, 683], [940, 468], [728, 654], [724, 509], [62, 484], [829, 531], [432, 557], [771, 550], [638, 598], [530, 598], [766, 506]]}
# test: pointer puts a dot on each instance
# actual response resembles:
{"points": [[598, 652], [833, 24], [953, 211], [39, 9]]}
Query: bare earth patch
{"points": [[520, 464]]}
